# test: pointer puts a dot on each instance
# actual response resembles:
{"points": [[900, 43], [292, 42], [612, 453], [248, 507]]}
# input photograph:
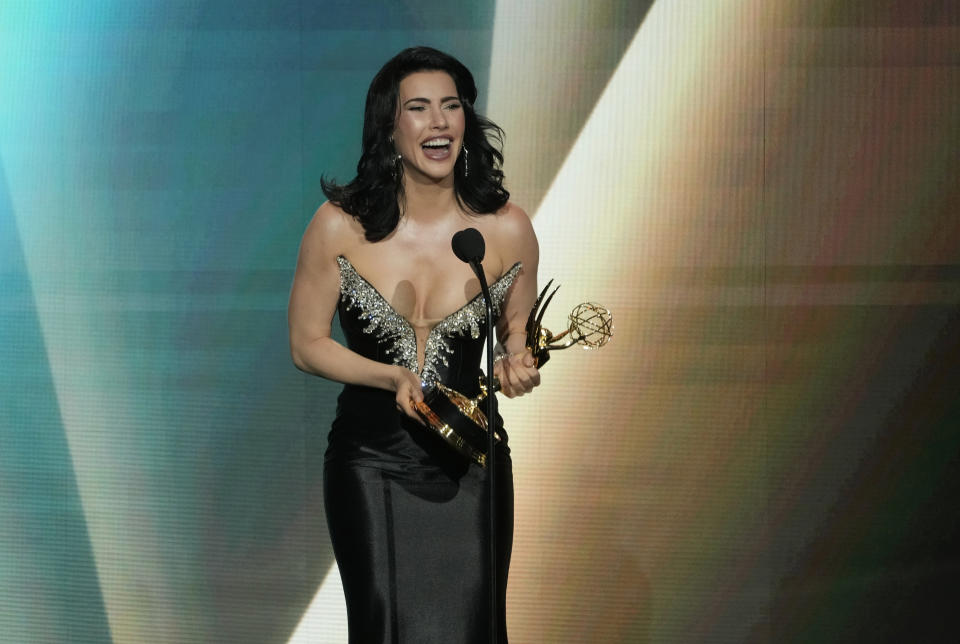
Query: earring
{"points": [[397, 167], [466, 156]]}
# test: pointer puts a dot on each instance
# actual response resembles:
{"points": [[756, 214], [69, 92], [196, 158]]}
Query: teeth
{"points": [[437, 143]]}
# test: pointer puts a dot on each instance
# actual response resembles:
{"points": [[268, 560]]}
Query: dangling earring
{"points": [[397, 167], [466, 156]]}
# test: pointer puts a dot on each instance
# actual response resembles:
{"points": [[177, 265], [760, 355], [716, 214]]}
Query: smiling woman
{"points": [[399, 104], [429, 126], [407, 513]]}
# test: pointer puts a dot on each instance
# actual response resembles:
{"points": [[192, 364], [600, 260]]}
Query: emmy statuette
{"points": [[459, 421]]}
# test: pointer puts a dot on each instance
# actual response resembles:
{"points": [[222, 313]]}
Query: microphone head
{"points": [[468, 245]]}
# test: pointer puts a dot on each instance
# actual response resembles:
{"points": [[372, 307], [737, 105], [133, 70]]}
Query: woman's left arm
{"points": [[518, 242]]}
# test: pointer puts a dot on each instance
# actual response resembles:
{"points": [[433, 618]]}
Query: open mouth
{"points": [[437, 148]]}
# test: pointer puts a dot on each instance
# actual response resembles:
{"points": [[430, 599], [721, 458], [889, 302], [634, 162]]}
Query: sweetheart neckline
{"points": [[443, 319]]}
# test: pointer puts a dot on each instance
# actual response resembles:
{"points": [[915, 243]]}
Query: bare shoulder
{"points": [[514, 218], [516, 223], [515, 235], [329, 221], [331, 231]]}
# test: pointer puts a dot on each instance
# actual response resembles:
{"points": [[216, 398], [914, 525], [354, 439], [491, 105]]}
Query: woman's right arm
{"points": [[313, 302]]}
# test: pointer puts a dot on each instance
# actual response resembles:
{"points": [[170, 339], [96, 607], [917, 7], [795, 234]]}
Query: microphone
{"points": [[468, 246]]}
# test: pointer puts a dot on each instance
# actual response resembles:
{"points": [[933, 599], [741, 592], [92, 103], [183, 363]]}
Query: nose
{"points": [[439, 119]]}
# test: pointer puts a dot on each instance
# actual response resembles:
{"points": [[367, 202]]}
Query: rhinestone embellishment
{"points": [[467, 319], [396, 332]]}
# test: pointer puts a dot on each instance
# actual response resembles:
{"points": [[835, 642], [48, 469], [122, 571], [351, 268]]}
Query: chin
{"points": [[436, 174]]}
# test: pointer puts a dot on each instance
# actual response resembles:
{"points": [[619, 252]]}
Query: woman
{"points": [[407, 514]]}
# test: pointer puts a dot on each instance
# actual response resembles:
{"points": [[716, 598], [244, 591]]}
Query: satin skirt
{"points": [[408, 522]]}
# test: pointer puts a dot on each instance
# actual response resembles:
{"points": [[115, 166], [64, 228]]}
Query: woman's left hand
{"points": [[517, 374]]}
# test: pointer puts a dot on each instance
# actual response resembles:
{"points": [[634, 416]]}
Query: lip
{"points": [[438, 154]]}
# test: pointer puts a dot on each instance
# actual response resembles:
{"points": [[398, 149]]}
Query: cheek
{"points": [[406, 130]]}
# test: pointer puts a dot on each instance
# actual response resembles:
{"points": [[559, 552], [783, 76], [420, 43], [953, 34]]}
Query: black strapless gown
{"points": [[407, 514]]}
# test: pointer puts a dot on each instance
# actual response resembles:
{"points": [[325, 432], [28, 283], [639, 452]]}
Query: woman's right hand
{"points": [[407, 385]]}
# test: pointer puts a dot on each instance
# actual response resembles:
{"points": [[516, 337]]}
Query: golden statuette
{"points": [[458, 419], [591, 326]]}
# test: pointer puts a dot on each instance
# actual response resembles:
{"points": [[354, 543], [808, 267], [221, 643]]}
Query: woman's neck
{"points": [[428, 200]]}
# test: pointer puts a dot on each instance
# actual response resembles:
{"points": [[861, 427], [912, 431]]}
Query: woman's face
{"points": [[429, 126]]}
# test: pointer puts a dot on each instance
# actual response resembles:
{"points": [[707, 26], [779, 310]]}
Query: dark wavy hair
{"points": [[375, 196]]}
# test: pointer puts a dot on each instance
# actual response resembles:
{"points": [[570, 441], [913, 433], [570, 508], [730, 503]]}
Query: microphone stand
{"points": [[469, 247], [491, 456]]}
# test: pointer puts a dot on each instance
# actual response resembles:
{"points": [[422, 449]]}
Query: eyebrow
{"points": [[419, 99]]}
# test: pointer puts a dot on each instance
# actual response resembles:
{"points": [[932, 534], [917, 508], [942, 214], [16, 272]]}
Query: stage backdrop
{"points": [[763, 191]]}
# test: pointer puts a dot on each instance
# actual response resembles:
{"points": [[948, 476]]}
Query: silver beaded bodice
{"points": [[397, 335]]}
